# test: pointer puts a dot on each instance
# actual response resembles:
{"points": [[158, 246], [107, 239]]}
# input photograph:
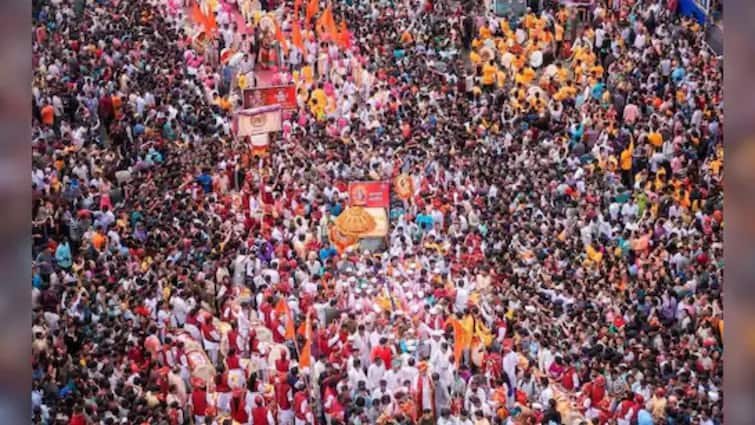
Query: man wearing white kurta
{"points": [[510, 360]]}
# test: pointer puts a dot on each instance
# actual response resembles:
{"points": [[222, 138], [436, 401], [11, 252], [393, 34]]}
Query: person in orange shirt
{"points": [[99, 240], [48, 115]]}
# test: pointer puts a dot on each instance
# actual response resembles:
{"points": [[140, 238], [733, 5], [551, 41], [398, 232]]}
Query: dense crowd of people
{"points": [[558, 260]]}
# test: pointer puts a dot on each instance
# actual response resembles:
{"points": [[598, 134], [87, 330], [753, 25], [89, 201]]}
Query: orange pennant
{"points": [[211, 26], [279, 37], [296, 37], [196, 14], [305, 357], [282, 309], [326, 25], [312, 7], [342, 38]]}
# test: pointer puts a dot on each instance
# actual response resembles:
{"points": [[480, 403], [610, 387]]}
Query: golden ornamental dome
{"points": [[355, 221]]}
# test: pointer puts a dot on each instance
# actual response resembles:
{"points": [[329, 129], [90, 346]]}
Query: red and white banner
{"points": [[249, 122], [370, 194], [285, 96]]}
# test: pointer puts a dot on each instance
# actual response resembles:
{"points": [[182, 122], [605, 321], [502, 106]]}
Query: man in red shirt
{"points": [[283, 398], [78, 417], [199, 403], [383, 351], [260, 413], [302, 411]]}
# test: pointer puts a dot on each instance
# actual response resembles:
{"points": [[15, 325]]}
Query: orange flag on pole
{"points": [[282, 309], [343, 39], [312, 8], [279, 37], [196, 14], [460, 338], [297, 7], [211, 25], [296, 37], [305, 357], [207, 21], [326, 25]]}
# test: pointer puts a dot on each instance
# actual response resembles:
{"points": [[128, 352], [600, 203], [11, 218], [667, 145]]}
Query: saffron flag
{"points": [[282, 309], [305, 357], [312, 8], [462, 338], [207, 21], [326, 25], [343, 39], [296, 37], [297, 7], [196, 14], [330, 24], [211, 25], [279, 37]]}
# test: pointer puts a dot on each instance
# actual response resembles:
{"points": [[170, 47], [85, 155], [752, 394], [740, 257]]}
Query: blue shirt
{"points": [[63, 255], [205, 181], [644, 418], [425, 221], [336, 210], [597, 90], [327, 252], [677, 74]]}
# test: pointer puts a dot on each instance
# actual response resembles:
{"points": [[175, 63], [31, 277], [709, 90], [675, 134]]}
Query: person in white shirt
{"points": [[510, 361], [375, 373]]}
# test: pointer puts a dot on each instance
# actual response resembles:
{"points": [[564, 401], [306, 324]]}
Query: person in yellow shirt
{"points": [[559, 38], [485, 32], [536, 101], [529, 20], [504, 24], [577, 68], [488, 76], [474, 58], [715, 166], [528, 74], [562, 73], [500, 79], [519, 92], [598, 71], [625, 163], [656, 139], [568, 91]]}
